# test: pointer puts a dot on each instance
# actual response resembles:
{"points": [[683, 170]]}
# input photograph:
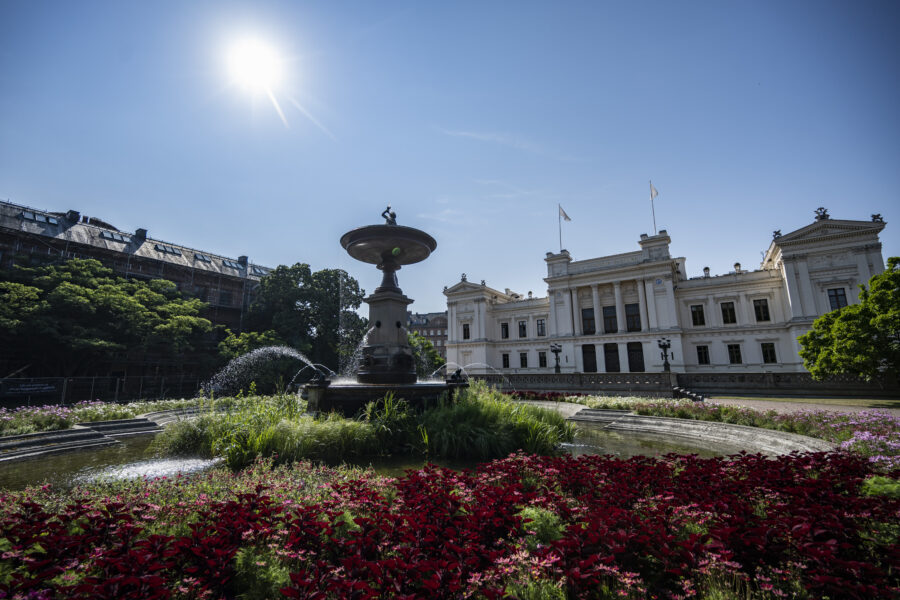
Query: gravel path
{"points": [[789, 407]]}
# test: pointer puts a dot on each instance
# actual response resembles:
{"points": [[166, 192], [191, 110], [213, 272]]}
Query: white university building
{"points": [[608, 314]]}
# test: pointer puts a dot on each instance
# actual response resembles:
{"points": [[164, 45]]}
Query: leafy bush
{"points": [[610, 528]]}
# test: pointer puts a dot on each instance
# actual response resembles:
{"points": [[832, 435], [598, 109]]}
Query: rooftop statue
{"points": [[390, 217]]}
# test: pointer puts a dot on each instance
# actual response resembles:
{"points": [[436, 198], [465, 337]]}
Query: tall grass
{"points": [[484, 424], [481, 424]]}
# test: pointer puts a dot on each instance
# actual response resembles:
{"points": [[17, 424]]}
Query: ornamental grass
{"points": [[480, 423]]}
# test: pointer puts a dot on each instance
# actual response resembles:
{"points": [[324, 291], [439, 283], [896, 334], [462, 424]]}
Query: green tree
{"points": [[428, 360], [860, 339], [235, 345], [72, 317], [314, 312]]}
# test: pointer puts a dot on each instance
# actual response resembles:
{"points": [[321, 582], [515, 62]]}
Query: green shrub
{"points": [[542, 526], [881, 486]]}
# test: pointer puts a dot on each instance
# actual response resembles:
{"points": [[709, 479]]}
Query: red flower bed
{"points": [[669, 528]]}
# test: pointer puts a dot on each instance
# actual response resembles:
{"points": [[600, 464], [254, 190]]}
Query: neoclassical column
{"points": [[809, 300], [620, 306], [480, 306], [623, 358], [670, 301], [747, 315], [595, 297], [552, 329], [793, 290], [451, 323], [651, 306], [712, 317], [576, 312], [862, 268], [642, 302]]}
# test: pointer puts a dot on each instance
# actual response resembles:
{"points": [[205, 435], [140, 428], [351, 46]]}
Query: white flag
{"points": [[653, 192], [563, 214]]}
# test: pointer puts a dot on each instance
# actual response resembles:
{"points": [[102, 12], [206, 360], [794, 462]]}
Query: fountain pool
{"points": [[130, 459]]}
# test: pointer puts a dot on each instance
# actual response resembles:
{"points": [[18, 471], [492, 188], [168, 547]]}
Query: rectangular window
{"points": [[635, 357], [117, 237], [768, 352], [609, 320], [697, 315], [734, 354], [465, 331], [504, 331], [505, 359], [611, 357], [702, 355], [837, 297], [761, 308], [523, 360], [523, 329], [231, 264], [202, 257], [587, 321], [225, 297], [541, 327], [633, 317], [542, 359], [728, 315], [167, 249]]}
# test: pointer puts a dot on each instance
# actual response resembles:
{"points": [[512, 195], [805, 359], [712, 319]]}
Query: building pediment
{"points": [[828, 229]]}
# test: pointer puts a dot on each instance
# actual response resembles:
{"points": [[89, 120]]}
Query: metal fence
{"points": [[31, 391]]}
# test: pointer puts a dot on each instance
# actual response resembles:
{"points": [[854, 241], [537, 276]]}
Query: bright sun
{"points": [[255, 65]]}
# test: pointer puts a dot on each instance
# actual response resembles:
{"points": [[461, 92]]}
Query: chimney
{"points": [[72, 216], [242, 260], [706, 272], [140, 233], [737, 267]]}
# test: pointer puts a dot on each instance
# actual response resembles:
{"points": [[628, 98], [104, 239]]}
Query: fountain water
{"points": [[386, 363], [238, 373]]}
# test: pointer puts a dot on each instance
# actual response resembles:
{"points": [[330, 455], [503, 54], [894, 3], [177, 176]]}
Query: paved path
{"points": [[789, 407]]}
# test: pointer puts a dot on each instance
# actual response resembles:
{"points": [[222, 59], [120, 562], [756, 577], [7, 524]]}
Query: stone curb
{"points": [[752, 439]]}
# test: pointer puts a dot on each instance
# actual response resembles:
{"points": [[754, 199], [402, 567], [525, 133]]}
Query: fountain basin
{"points": [[349, 398], [401, 245]]}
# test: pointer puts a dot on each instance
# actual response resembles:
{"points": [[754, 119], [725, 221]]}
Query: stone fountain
{"points": [[387, 363]]}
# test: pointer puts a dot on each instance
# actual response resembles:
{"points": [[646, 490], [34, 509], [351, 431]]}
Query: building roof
{"points": [[90, 231]]}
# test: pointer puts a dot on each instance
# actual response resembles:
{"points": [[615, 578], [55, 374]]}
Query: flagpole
{"points": [[652, 209], [559, 222]]}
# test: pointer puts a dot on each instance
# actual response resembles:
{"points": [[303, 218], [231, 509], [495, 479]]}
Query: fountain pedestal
{"points": [[387, 357]]}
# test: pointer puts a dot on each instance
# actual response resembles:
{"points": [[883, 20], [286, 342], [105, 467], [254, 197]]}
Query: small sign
{"points": [[29, 388], [658, 281]]}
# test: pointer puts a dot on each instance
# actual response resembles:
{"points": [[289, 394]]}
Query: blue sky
{"points": [[474, 120]]}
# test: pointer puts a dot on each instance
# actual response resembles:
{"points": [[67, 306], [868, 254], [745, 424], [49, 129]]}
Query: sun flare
{"points": [[255, 65]]}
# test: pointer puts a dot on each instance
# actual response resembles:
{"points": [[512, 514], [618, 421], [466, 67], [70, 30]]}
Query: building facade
{"points": [[31, 237], [609, 314], [431, 326]]}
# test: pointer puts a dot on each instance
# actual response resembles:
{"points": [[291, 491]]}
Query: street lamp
{"points": [[556, 349], [664, 345]]}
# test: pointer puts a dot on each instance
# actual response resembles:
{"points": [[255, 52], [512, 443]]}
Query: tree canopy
{"points": [[428, 359], [70, 318], [314, 312], [860, 339]]}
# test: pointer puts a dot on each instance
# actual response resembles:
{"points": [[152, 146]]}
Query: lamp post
{"points": [[664, 345], [556, 349]]}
